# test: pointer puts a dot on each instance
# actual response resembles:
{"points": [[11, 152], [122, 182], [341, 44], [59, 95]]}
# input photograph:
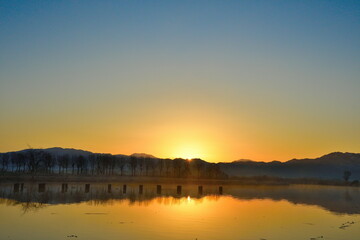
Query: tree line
{"points": [[36, 161]]}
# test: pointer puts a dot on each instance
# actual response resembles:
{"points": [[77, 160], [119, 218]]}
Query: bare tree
{"points": [[160, 166], [23, 161], [186, 169], [80, 163], [49, 161], [133, 164], [17, 160], [92, 163], [141, 163], [73, 164], [5, 162], [153, 164], [112, 164], [63, 162], [34, 160], [346, 175], [199, 165], [121, 164], [13, 160], [168, 165], [178, 163]]}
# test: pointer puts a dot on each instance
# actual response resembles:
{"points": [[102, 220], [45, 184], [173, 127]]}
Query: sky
{"points": [[218, 80]]}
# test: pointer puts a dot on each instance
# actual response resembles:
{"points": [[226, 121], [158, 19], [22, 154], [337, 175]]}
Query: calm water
{"points": [[99, 211]]}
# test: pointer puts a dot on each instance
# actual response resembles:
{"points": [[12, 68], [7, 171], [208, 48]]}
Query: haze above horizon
{"points": [[260, 80]]}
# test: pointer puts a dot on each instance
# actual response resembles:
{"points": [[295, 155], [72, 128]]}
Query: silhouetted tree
{"points": [[92, 163], [17, 160], [80, 164], [178, 163], [186, 168], [147, 165], [22, 159], [58, 162], [63, 162], [99, 164], [168, 165], [160, 166], [48, 161], [153, 164], [34, 160], [5, 161], [104, 162], [346, 175], [73, 164], [133, 164], [112, 164], [199, 164], [13, 158], [141, 163], [121, 164]]}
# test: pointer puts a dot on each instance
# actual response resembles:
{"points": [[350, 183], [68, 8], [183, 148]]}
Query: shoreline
{"points": [[261, 180]]}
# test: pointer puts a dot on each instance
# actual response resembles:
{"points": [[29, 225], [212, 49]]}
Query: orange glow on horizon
{"points": [[189, 151]]}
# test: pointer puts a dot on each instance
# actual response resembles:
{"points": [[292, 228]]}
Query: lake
{"points": [[98, 211]]}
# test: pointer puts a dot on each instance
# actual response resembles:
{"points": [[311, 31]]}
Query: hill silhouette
{"points": [[74, 161], [329, 166]]}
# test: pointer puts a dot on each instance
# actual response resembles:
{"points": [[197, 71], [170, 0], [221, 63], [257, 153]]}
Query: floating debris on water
{"points": [[346, 225], [72, 236], [317, 238]]}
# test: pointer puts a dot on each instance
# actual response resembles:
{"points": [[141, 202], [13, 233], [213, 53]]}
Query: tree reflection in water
{"points": [[342, 200]]}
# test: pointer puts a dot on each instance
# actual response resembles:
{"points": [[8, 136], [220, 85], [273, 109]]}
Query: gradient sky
{"points": [[219, 80]]}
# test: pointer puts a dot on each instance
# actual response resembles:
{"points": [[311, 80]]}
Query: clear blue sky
{"points": [[216, 79]]}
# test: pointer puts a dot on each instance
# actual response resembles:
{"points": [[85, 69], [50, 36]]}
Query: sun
{"points": [[189, 151]]}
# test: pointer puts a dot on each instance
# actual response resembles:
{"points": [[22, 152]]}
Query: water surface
{"points": [[99, 211]]}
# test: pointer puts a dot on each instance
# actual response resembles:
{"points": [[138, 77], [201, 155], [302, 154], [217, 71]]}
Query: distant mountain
{"points": [[244, 160], [58, 151], [142, 155], [330, 166], [78, 152], [68, 151]]}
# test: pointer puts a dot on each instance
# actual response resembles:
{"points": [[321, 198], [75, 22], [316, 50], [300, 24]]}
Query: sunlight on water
{"points": [[174, 217]]}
